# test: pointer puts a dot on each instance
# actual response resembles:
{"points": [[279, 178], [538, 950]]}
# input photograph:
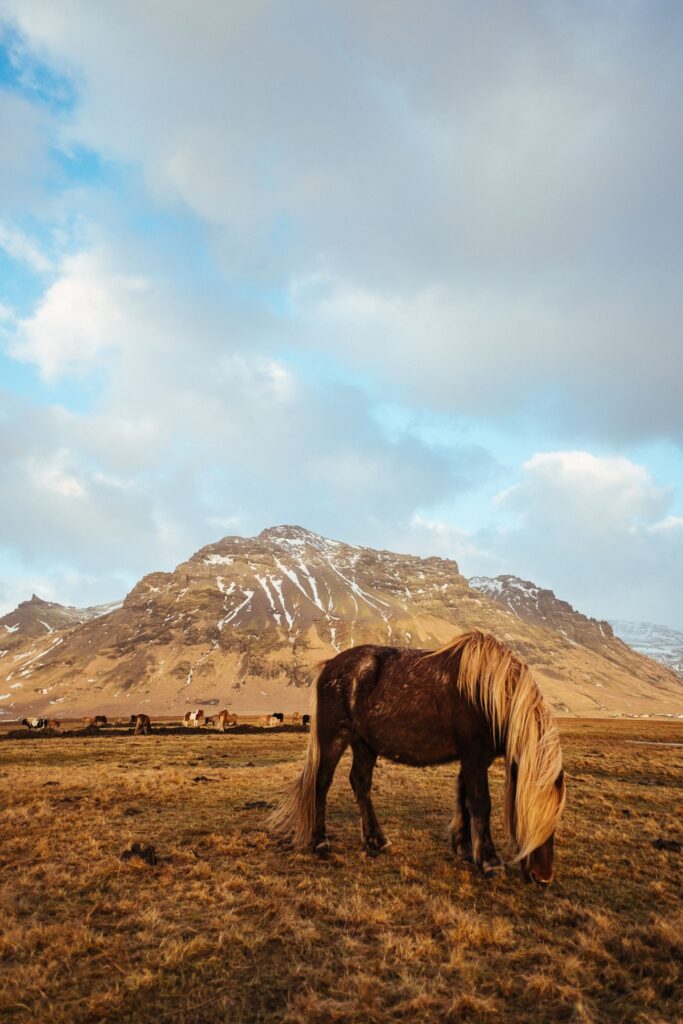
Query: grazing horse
{"points": [[53, 723], [87, 722], [143, 725], [192, 718], [100, 720], [296, 718], [34, 723], [279, 715], [306, 721], [470, 701], [225, 718]]}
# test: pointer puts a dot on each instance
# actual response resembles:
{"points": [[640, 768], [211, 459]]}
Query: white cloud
{"points": [[20, 247], [596, 530], [77, 318], [669, 523], [53, 476], [498, 191], [607, 491]]}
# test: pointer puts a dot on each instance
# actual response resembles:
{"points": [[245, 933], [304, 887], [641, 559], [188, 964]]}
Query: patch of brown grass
{"points": [[230, 926]]}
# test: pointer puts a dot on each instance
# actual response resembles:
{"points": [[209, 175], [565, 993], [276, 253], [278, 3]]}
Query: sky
{"points": [[407, 274]]}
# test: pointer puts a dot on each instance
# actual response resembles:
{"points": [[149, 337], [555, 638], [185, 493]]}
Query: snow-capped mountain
{"points": [[243, 621], [658, 642], [36, 618], [540, 607]]}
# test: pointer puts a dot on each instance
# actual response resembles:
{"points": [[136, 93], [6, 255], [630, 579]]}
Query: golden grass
{"points": [[229, 926]]}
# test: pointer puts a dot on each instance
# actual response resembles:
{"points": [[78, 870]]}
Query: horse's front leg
{"points": [[475, 781], [460, 827]]}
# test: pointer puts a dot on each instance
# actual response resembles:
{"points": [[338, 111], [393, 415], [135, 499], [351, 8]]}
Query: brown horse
{"points": [[225, 718], [471, 701], [143, 725]]}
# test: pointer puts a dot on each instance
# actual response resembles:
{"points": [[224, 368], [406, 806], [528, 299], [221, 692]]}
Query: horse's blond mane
{"points": [[494, 678]]}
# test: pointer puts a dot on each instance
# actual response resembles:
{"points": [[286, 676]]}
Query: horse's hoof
{"points": [[322, 848], [377, 845], [465, 852], [493, 870]]}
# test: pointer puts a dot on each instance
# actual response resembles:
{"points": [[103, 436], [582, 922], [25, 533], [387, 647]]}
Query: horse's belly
{"points": [[420, 739]]}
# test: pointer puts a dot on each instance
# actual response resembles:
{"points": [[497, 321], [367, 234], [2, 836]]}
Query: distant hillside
{"points": [[37, 618], [658, 642], [243, 622], [540, 607]]}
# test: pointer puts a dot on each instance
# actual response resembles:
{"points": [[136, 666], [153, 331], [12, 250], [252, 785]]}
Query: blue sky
{"points": [[408, 278]]}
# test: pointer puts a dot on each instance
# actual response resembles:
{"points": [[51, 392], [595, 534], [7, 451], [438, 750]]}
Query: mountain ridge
{"points": [[243, 621], [662, 643]]}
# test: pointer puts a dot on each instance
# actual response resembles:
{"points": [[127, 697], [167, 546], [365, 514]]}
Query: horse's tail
{"points": [[294, 817]]}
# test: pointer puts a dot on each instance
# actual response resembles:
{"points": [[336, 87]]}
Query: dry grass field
{"points": [[227, 926]]}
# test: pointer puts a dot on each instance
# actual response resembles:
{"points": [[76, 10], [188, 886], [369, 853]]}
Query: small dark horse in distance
{"points": [[471, 701]]}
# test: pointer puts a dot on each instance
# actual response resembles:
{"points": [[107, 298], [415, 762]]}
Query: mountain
{"points": [[243, 622], [38, 618], [541, 608], [658, 642]]}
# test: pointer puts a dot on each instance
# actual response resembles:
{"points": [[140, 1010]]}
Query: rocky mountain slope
{"points": [[38, 618], [658, 642], [541, 608], [242, 623]]}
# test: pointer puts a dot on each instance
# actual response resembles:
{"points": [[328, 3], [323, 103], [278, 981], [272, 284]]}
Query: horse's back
{"points": [[404, 704]]}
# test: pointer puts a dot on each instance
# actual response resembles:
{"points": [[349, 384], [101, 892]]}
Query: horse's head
{"points": [[538, 865]]}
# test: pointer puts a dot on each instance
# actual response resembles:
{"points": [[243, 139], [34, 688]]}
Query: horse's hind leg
{"points": [[460, 828], [364, 759], [330, 754], [478, 802]]}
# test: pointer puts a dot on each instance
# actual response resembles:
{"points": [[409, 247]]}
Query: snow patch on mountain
{"points": [[659, 642]]}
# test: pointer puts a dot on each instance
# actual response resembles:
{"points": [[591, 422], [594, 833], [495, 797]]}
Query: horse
{"points": [[472, 700], [306, 721], [100, 720], [210, 720], [192, 718], [34, 723], [225, 718], [269, 721], [279, 715], [143, 725], [296, 718], [53, 724], [87, 722]]}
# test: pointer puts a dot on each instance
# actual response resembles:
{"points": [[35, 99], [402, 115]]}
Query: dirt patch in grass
{"points": [[222, 924]]}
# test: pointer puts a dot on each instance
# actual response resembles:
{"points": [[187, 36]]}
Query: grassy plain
{"points": [[227, 926]]}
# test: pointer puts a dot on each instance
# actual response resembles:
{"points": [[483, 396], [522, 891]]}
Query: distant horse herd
{"points": [[142, 724], [472, 701]]}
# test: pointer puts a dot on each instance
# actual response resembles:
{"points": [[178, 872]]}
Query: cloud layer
{"points": [[298, 214]]}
